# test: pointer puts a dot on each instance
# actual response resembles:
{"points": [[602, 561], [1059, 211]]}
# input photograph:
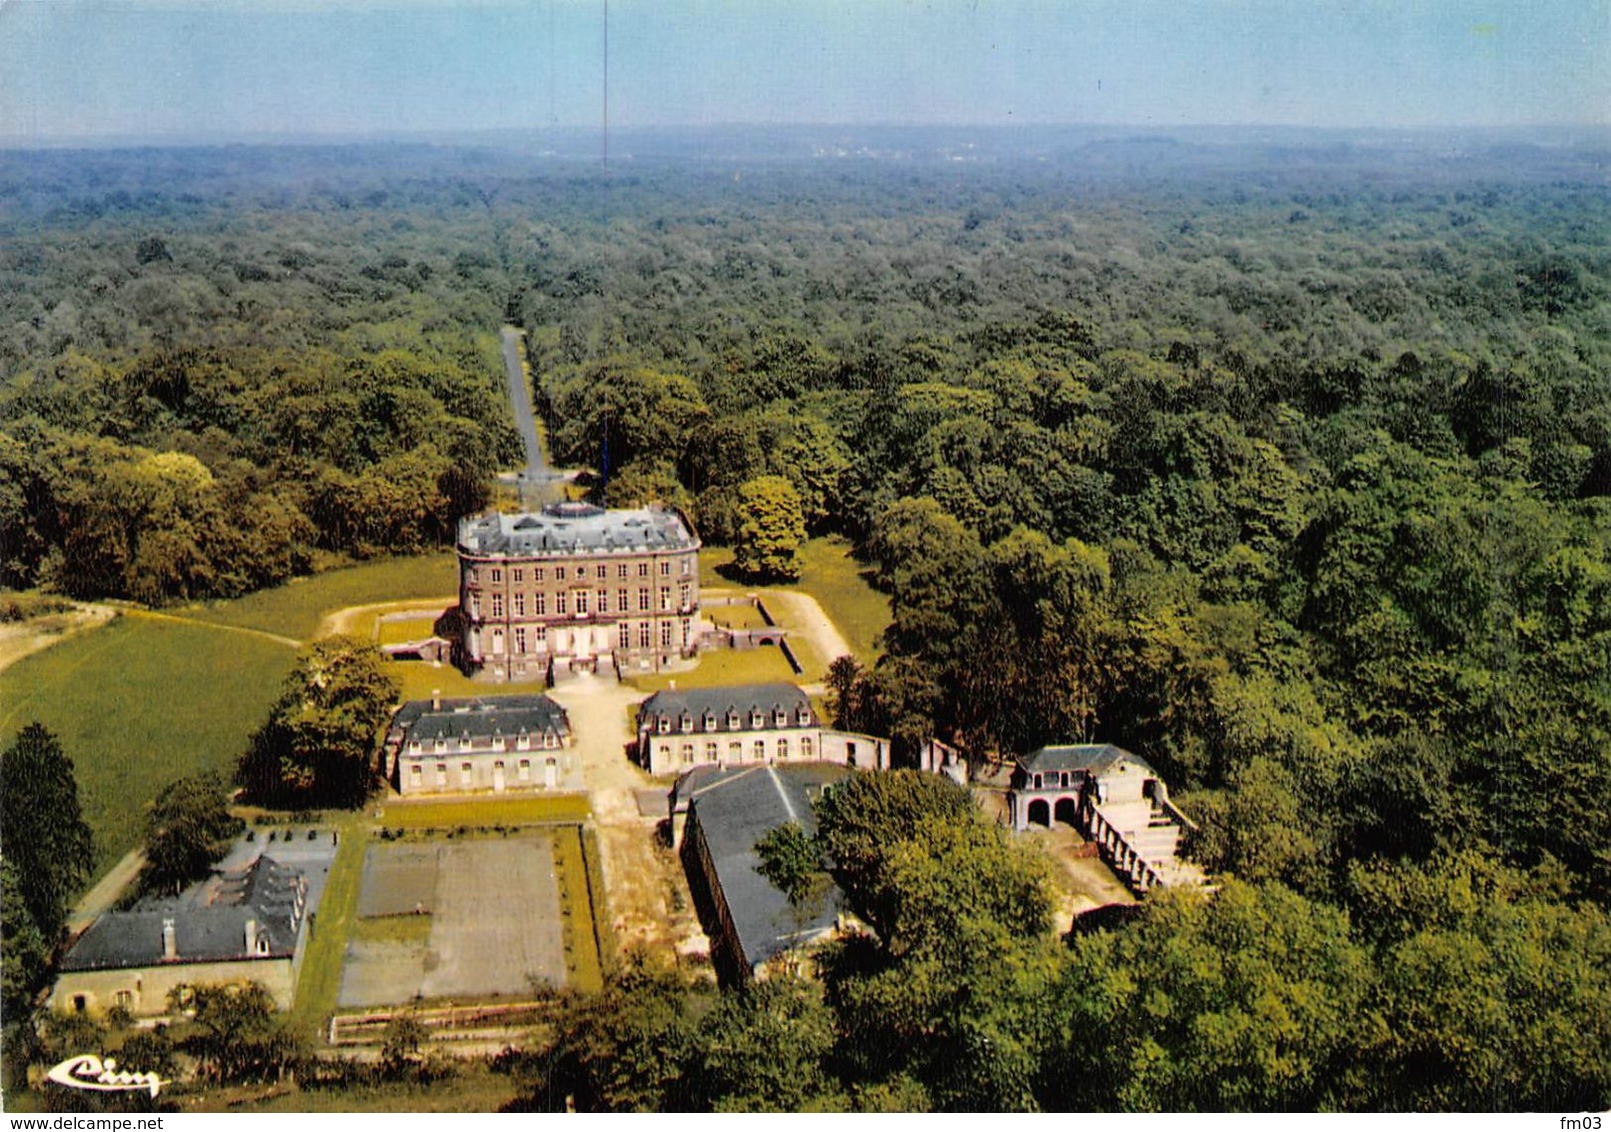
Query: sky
{"points": [[170, 69]]}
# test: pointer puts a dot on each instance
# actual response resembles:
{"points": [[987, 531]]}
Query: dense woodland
{"points": [[1286, 466]]}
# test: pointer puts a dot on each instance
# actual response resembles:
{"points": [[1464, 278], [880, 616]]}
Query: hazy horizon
{"points": [[89, 70]]}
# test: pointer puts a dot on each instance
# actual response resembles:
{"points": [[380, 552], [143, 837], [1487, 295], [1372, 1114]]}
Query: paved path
{"points": [[106, 892], [535, 479], [803, 617], [639, 878]]}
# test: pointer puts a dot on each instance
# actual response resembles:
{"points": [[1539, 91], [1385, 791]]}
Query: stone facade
{"points": [[744, 724], [241, 924], [576, 588], [498, 744]]}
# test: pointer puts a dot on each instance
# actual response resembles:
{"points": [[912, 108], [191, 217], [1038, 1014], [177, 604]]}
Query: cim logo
{"points": [[86, 1071]]}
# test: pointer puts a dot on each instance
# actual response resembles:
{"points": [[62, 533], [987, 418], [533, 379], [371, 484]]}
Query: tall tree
{"points": [[42, 831], [771, 530], [188, 830], [317, 746]]}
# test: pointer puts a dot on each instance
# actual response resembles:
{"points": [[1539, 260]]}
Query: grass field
{"points": [[319, 981], [829, 573], [722, 666], [397, 631], [485, 811], [139, 703], [584, 948], [296, 608]]}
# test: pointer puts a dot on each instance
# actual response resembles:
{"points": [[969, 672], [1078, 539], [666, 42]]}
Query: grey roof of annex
{"points": [[1092, 758], [209, 921], [575, 528], [739, 699], [478, 718], [736, 807]]}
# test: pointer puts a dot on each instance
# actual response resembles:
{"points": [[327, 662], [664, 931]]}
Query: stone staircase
{"points": [[1141, 841]]}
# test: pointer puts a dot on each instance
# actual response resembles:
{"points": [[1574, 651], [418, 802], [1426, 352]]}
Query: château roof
{"points": [[575, 528], [738, 699]]}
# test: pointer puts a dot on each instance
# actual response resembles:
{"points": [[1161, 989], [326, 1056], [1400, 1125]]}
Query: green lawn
{"points": [[722, 666], [139, 703], [486, 811], [319, 982], [829, 573], [296, 608]]}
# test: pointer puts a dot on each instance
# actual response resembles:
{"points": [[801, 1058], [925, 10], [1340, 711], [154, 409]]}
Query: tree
{"points": [[188, 830], [237, 1038], [771, 530], [317, 746], [43, 831], [792, 862], [25, 952], [766, 1048]]}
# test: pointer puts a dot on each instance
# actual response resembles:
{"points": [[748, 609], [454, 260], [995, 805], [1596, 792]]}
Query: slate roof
{"points": [[481, 719], [209, 921], [575, 528], [1092, 758], [735, 807], [742, 699]]}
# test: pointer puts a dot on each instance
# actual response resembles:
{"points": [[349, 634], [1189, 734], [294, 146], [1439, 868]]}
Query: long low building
{"points": [[247, 923], [719, 814], [497, 743], [742, 724]]}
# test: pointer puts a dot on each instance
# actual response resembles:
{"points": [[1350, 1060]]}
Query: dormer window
{"points": [[780, 718], [803, 716], [757, 720], [687, 722], [710, 721], [665, 725], [732, 721]]}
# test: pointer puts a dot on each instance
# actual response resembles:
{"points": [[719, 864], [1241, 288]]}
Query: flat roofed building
{"points": [[722, 812], [499, 743], [573, 587], [736, 724]]}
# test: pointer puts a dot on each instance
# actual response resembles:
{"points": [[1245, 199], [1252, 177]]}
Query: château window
{"points": [[542, 604], [760, 750], [537, 574], [686, 565], [602, 572], [520, 640], [710, 752], [604, 601], [643, 600], [581, 602], [559, 573], [559, 602], [783, 748], [523, 770], [520, 605], [805, 748], [626, 634], [687, 754], [682, 596], [497, 605], [665, 599], [665, 634], [644, 639], [520, 574], [542, 634], [622, 600], [643, 569], [665, 567], [497, 575], [621, 570]]}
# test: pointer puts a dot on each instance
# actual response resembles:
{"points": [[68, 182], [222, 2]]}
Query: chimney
{"points": [[251, 937], [436, 699], [170, 942]]}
